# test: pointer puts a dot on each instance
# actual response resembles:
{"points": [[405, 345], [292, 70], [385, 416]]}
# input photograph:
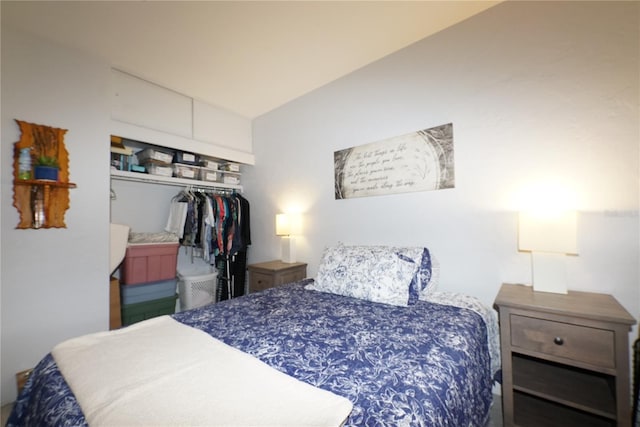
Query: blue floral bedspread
{"points": [[424, 365]]}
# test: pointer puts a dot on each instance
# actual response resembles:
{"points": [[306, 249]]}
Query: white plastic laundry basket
{"points": [[196, 289]]}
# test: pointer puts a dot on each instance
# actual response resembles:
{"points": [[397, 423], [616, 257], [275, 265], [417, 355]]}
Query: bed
{"points": [[431, 362]]}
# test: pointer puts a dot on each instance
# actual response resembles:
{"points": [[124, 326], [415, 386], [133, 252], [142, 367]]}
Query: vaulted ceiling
{"points": [[246, 56]]}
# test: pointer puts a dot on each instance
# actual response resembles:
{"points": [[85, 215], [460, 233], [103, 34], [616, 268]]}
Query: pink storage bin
{"points": [[149, 262]]}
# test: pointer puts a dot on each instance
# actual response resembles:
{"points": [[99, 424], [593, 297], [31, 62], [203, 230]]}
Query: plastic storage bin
{"points": [[208, 175], [230, 178], [154, 155], [185, 171], [149, 262], [209, 164], [196, 289], [155, 169], [186, 158], [230, 167], [132, 294], [132, 313]]}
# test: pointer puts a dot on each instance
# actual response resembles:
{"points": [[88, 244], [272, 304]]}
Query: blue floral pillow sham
{"points": [[389, 275], [427, 275]]}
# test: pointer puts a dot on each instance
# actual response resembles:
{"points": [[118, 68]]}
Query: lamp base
{"points": [[288, 249], [549, 273]]}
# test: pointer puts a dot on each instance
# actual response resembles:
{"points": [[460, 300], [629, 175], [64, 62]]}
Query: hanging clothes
{"points": [[177, 217], [216, 226]]}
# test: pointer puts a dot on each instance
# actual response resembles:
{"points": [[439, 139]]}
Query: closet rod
{"points": [[179, 182], [221, 190]]}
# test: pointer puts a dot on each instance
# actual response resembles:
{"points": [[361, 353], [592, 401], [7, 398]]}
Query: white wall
{"points": [[55, 282], [536, 91]]}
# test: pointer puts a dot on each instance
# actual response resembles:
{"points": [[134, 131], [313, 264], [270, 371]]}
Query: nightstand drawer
{"points": [[579, 343], [275, 273], [292, 276], [260, 281]]}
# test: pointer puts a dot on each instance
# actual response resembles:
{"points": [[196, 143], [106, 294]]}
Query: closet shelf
{"points": [[159, 179]]}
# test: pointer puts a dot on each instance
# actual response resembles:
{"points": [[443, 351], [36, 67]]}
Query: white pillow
{"points": [[374, 273]]}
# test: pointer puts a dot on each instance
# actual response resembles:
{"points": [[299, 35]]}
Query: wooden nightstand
{"points": [[565, 358], [274, 273]]}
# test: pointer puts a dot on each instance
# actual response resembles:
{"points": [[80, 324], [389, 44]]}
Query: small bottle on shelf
{"points": [[37, 207], [24, 163]]}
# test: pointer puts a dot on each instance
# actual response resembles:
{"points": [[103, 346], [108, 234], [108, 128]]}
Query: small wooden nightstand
{"points": [[274, 273], [565, 358]]}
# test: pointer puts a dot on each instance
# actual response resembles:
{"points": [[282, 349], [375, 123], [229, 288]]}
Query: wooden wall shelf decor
{"points": [[41, 203]]}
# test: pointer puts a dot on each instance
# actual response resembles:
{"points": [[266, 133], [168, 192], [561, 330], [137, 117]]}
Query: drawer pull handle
{"points": [[558, 341]]}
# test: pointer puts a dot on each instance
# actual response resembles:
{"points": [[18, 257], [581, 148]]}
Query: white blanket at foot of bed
{"points": [[160, 372]]}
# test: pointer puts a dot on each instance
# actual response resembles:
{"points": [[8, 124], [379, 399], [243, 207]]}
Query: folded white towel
{"points": [[160, 372]]}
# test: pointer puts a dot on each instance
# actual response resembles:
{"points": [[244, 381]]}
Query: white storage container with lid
{"points": [[231, 178], [154, 156], [208, 175], [154, 169], [229, 167], [209, 163], [185, 171]]}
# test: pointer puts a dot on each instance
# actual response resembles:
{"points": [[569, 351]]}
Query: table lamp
{"points": [[287, 226], [549, 236]]}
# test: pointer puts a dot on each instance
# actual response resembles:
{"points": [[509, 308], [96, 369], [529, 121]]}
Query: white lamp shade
{"points": [[548, 232], [282, 225], [288, 224]]}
